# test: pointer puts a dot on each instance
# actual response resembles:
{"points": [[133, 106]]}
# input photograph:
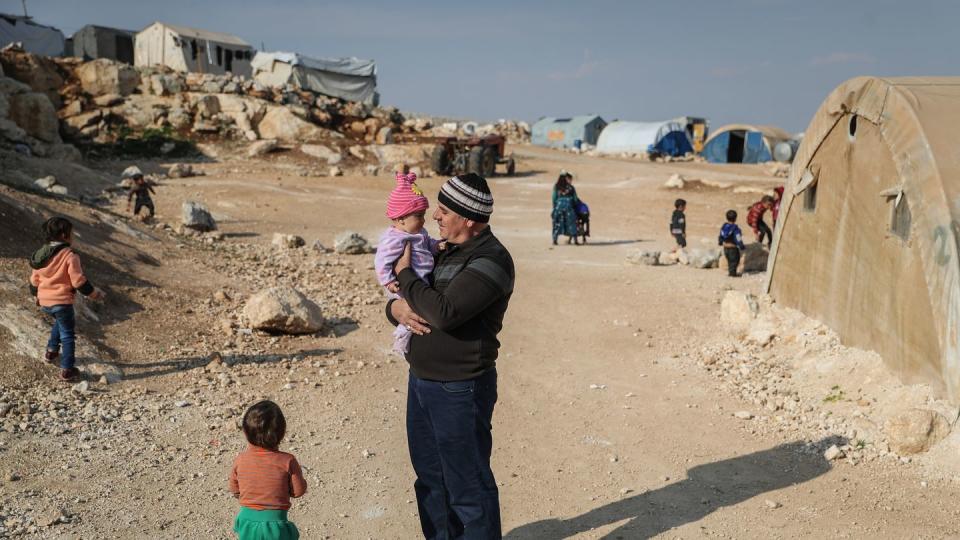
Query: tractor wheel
{"points": [[440, 161], [475, 160], [489, 161], [511, 167]]}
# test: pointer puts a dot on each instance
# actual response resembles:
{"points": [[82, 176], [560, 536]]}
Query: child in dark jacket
{"points": [[56, 276], [731, 238], [678, 223]]}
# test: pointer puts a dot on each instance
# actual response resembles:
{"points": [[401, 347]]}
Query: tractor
{"points": [[480, 155]]}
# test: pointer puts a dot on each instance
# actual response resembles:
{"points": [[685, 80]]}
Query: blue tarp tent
{"points": [[667, 138], [562, 132], [741, 143]]}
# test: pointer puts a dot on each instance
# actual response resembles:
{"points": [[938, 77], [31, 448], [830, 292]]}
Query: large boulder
{"points": [[644, 256], [163, 84], [352, 243], [391, 154], [283, 309], [738, 309], [319, 151], [703, 258], [755, 258], [40, 73], [197, 217], [36, 115], [103, 76], [261, 148], [281, 124], [915, 431]]}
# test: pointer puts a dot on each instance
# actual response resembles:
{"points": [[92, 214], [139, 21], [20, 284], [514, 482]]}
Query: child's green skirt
{"points": [[253, 524]]}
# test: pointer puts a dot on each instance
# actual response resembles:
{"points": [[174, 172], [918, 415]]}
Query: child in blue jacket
{"points": [[731, 238]]}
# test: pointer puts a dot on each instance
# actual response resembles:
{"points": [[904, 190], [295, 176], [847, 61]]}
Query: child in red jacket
{"points": [[755, 219], [55, 278]]}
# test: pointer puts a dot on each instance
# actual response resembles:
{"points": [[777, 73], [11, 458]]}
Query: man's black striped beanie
{"points": [[469, 196]]}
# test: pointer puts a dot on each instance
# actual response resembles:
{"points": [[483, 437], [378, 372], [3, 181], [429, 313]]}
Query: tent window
{"points": [[229, 55], [810, 198], [852, 128], [219, 55], [900, 218], [193, 49]]}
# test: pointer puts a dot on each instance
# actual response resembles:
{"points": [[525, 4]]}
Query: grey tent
{"points": [[352, 79], [92, 42], [563, 132], [36, 38]]}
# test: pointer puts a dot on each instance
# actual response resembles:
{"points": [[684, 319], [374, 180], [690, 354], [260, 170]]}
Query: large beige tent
{"points": [[868, 239], [191, 50]]}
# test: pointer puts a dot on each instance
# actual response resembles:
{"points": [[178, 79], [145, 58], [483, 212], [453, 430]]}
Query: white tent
{"points": [[347, 78], [669, 137], [36, 38], [191, 50]]}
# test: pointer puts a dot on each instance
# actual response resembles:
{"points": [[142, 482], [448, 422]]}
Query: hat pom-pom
{"points": [[408, 178]]}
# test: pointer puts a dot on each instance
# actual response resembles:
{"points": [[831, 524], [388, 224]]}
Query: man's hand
{"points": [[401, 311], [404, 261], [394, 287], [97, 294]]}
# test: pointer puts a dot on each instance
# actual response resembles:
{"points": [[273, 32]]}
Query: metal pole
{"points": [[25, 8]]}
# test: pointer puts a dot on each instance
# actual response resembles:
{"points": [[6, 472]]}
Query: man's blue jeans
{"points": [[449, 435], [62, 334]]}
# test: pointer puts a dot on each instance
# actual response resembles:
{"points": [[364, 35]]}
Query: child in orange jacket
{"points": [[56, 276]]}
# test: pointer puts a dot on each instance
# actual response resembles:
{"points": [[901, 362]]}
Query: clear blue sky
{"points": [[753, 61]]}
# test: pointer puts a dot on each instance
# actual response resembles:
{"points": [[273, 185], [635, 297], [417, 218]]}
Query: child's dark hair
{"points": [[264, 425], [679, 202], [768, 199], [731, 215], [57, 229]]}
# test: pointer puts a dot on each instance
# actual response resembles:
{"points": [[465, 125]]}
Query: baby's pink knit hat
{"points": [[406, 198]]}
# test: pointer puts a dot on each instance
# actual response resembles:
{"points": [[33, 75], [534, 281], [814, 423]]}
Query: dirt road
{"points": [[602, 429]]}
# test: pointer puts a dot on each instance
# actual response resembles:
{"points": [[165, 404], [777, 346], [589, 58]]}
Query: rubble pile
{"points": [[758, 360], [515, 132]]}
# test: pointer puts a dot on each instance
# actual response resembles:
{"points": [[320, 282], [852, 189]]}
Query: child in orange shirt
{"points": [[56, 276], [264, 478]]}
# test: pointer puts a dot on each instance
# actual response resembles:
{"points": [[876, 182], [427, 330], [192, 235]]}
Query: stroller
{"points": [[583, 220]]}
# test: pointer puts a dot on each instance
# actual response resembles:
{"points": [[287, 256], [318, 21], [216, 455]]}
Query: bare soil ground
{"points": [[610, 423]]}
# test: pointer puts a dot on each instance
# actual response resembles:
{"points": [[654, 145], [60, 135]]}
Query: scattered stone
{"points": [[181, 170], [367, 453], [915, 431], [743, 415], [290, 241], [13, 477], [196, 216], [352, 243], [738, 308], [833, 453], [82, 387], [676, 181], [773, 505], [336, 171], [59, 190], [46, 182], [181, 403], [283, 309]]}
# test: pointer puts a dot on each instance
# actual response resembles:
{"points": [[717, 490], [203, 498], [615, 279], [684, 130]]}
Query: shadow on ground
{"points": [[165, 367], [706, 489]]}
